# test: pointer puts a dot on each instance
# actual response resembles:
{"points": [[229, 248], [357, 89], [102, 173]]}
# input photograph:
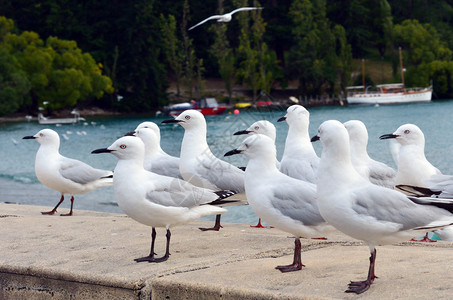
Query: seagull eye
{"points": [[407, 131], [257, 127], [123, 146], [41, 134], [187, 117]]}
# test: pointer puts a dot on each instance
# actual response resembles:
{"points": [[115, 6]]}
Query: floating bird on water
{"points": [[225, 17]]}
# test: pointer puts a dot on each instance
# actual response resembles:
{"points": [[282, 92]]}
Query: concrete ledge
{"points": [[90, 256]]}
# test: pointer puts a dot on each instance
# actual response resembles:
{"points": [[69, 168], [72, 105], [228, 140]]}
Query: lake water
{"points": [[19, 184]]}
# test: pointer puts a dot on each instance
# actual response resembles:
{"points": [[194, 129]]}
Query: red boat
{"points": [[207, 106]]}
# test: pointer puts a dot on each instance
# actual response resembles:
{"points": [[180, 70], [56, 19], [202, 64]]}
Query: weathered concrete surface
{"points": [[90, 256]]}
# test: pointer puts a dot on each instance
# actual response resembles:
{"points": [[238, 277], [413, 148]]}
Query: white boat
{"points": [[75, 119], [394, 93]]}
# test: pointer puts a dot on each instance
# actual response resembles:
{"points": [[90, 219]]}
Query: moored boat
{"points": [[207, 107], [394, 93]]}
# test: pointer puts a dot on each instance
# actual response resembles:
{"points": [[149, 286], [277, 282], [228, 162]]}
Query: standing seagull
{"points": [[299, 159], [199, 166], [155, 200], [284, 202], [362, 210], [225, 17], [66, 175], [377, 172], [156, 159], [266, 128], [413, 167]]}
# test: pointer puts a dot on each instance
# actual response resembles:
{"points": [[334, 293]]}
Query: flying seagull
{"points": [[226, 17]]}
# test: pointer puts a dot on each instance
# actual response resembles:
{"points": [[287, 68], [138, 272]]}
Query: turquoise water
{"points": [[18, 182]]}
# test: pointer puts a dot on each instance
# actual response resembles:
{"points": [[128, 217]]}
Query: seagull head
{"points": [[257, 145], [260, 127], [358, 134], [151, 125], [407, 134], [189, 119], [148, 137], [45, 137], [126, 147], [296, 115], [332, 134]]}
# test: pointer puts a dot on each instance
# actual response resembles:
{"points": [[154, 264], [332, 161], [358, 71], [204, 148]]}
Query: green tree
{"points": [[57, 70], [258, 66], [425, 56], [320, 54], [193, 67], [223, 54], [14, 84], [173, 49]]}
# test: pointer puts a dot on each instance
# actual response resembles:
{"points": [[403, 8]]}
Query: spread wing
{"points": [[205, 20], [244, 8]]}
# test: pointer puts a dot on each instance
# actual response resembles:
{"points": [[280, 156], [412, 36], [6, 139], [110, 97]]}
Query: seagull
{"points": [[156, 159], [155, 200], [266, 128], [362, 210], [199, 166], [299, 159], [66, 175], [377, 172], [284, 202], [413, 167], [225, 17]]}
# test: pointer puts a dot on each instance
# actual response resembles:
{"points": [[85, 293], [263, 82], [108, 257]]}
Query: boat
{"points": [[207, 106], [392, 93], [48, 121]]}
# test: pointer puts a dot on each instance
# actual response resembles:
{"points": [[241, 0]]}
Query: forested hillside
{"points": [[134, 47]]}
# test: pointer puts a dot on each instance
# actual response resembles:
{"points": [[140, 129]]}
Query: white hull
{"points": [[423, 95]]}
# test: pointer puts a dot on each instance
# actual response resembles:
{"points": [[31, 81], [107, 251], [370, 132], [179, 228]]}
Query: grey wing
{"points": [[382, 175], [299, 169], [222, 174], [167, 166], [80, 172], [298, 203], [441, 183], [168, 191], [387, 205], [205, 20]]}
